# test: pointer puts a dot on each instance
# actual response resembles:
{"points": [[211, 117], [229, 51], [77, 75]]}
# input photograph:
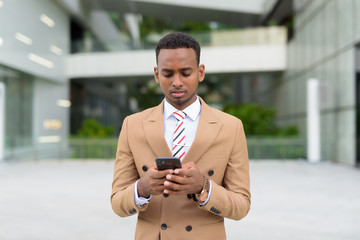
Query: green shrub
{"points": [[259, 120], [91, 128]]}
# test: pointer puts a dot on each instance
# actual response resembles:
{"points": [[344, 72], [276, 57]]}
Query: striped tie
{"points": [[179, 135]]}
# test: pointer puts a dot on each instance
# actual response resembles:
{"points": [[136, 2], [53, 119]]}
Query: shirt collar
{"points": [[191, 111]]}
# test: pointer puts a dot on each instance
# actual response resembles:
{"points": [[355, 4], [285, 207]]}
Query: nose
{"points": [[177, 82]]}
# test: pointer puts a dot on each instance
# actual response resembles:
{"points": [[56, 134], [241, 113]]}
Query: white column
{"points": [[2, 120], [313, 121]]}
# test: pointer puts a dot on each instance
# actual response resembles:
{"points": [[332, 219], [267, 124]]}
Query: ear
{"points": [[156, 74], [201, 72]]}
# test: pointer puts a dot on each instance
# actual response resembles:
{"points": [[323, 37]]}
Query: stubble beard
{"points": [[180, 103]]}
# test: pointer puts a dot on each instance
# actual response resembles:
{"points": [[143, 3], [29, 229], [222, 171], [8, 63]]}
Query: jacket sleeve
{"points": [[125, 176], [232, 199]]}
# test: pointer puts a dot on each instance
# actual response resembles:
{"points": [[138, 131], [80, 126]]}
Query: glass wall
{"points": [[19, 89], [110, 100]]}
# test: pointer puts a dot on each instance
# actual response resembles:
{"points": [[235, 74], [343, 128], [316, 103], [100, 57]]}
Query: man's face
{"points": [[179, 75]]}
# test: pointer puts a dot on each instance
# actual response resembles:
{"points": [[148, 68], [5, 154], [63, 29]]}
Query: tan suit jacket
{"points": [[220, 153]]}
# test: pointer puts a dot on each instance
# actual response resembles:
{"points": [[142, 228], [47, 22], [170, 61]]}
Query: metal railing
{"points": [[276, 148], [25, 149], [274, 35], [85, 148], [258, 148]]}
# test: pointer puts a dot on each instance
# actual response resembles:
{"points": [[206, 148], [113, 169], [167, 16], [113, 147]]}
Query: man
{"points": [[213, 183]]}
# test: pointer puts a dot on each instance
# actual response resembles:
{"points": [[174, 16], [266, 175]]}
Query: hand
{"points": [[187, 179], [152, 183]]}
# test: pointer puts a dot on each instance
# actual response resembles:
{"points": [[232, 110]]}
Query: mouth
{"points": [[177, 94]]}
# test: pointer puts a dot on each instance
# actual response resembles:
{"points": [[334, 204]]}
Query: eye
{"points": [[167, 75], [186, 74]]}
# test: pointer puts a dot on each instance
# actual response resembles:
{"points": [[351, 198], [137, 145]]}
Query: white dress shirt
{"points": [[191, 122]]}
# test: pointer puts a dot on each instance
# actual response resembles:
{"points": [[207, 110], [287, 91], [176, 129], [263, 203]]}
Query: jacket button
{"points": [[214, 210], [132, 211], [165, 194], [144, 168], [163, 226], [211, 172], [188, 228], [189, 196]]}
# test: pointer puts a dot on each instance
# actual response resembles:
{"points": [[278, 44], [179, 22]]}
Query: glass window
{"points": [[19, 88]]}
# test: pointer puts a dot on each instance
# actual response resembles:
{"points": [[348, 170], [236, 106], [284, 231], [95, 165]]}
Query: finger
{"points": [[189, 165], [156, 189], [176, 189], [185, 172], [185, 168], [178, 179], [161, 174], [180, 172], [154, 169], [171, 192], [159, 189], [156, 181], [172, 188]]}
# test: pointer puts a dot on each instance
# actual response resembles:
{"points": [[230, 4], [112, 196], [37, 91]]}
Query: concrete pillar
{"points": [[313, 121], [2, 120]]}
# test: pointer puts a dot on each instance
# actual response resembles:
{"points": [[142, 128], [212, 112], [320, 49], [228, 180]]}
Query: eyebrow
{"points": [[170, 70], [166, 70]]}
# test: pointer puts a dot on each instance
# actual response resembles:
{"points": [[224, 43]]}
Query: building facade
{"points": [[324, 47], [52, 52], [34, 43]]}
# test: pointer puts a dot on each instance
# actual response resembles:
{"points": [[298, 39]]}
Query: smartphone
{"points": [[163, 163]]}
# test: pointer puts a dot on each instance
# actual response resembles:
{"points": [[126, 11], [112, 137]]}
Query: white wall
{"points": [[253, 6], [19, 16], [47, 111], [259, 58]]}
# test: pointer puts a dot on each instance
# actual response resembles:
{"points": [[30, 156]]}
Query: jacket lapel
{"points": [[154, 132], [208, 128]]}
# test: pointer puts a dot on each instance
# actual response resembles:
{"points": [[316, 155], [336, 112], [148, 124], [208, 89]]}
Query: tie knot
{"points": [[180, 115]]}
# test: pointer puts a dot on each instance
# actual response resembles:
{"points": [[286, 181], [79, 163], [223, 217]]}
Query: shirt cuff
{"points": [[208, 198], [140, 201]]}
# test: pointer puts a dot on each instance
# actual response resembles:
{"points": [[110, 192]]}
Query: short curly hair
{"points": [[178, 40]]}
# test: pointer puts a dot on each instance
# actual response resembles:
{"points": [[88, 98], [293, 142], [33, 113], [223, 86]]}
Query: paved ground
{"points": [[70, 200]]}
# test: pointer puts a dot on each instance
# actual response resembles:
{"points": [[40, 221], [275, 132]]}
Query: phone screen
{"points": [[163, 163]]}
